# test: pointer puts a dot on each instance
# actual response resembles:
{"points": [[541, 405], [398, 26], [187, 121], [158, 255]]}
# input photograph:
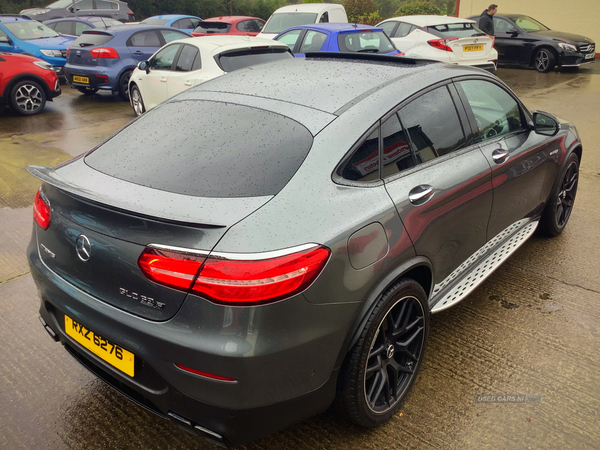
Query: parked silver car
{"points": [[276, 238], [114, 9]]}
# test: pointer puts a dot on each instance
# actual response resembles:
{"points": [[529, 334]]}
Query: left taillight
{"points": [[235, 279], [41, 210], [104, 53], [68, 51], [441, 44]]}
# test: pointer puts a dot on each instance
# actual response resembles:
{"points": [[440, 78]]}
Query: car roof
{"points": [[427, 20], [335, 27], [231, 42], [308, 7], [123, 29], [231, 19], [171, 16]]}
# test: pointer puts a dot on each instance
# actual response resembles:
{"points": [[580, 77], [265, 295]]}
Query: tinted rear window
{"points": [[366, 42], [233, 151], [457, 30], [213, 27], [91, 40], [238, 60]]}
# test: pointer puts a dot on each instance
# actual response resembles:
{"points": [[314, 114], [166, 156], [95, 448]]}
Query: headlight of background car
{"points": [[56, 53], [43, 65], [566, 46]]}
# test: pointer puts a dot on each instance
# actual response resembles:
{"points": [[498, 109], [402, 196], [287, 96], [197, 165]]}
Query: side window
{"points": [[364, 163], [163, 60], [290, 38], [324, 18], [433, 125], [197, 64], [259, 24], [501, 25], [186, 58], [114, 5], [84, 4], [195, 22], [388, 27], [80, 27], [52, 26], [183, 24], [144, 39], [404, 29], [495, 111], [3, 34], [102, 4], [396, 151], [64, 27], [172, 35], [313, 41], [243, 25]]}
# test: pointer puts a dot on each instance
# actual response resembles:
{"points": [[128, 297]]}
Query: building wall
{"points": [[572, 16]]}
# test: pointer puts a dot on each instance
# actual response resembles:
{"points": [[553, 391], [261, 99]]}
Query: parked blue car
{"points": [[19, 34], [75, 26], [337, 37], [181, 22], [104, 59]]}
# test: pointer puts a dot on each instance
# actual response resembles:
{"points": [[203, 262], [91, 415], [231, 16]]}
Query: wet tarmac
{"points": [[533, 328]]}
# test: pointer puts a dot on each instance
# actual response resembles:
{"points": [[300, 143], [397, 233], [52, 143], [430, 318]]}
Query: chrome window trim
{"points": [[237, 256]]}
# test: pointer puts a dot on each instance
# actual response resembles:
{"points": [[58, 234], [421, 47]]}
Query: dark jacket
{"points": [[486, 23]]}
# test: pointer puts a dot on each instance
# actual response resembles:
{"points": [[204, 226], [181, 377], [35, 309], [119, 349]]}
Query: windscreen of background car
{"points": [[206, 149], [231, 61], [282, 21], [528, 24], [457, 30], [29, 30], [92, 39], [213, 27], [365, 42]]}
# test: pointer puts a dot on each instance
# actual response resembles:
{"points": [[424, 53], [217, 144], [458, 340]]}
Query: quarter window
{"points": [[496, 111], [364, 163], [313, 42], [183, 24], [433, 125], [396, 151]]}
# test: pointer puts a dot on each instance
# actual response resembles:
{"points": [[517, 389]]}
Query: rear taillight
{"points": [[441, 44], [68, 51], [104, 53], [493, 40], [236, 279], [41, 210]]}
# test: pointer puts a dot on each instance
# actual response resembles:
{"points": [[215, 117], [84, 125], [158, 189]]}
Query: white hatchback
{"points": [[442, 38], [184, 63]]}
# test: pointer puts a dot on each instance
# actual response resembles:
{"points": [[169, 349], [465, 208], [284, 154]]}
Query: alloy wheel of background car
{"points": [[87, 91], [27, 98], [381, 368], [544, 60], [136, 101], [560, 204], [124, 85]]}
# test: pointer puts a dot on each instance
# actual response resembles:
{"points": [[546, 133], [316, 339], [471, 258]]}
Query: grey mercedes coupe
{"points": [[275, 240]]}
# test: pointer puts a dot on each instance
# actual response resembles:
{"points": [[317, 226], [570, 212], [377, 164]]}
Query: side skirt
{"points": [[481, 265]]}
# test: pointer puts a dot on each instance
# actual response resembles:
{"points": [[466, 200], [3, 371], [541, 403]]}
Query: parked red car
{"points": [[26, 83], [237, 25]]}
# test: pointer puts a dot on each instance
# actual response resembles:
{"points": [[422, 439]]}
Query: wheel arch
{"points": [[27, 77], [418, 268], [540, 47]]}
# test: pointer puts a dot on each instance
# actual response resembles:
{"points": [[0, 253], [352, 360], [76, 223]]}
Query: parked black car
{"points": [[523, 40]]}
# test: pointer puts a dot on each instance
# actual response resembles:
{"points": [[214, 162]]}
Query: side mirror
{"points": [[512, 31], [545, 124], [5, 40], [144, 66]]}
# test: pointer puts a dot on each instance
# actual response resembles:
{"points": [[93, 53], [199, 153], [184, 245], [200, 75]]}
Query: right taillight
{"points": [[104, 53], [237, 279], [441, 44], [41, 210]]}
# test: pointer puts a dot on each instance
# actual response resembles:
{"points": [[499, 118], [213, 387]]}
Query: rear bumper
{"points": [[284, 369], [99, 77]]}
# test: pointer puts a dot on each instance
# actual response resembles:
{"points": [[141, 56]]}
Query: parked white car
{"points": [[442, 38], [302, 14], [184, 63]]}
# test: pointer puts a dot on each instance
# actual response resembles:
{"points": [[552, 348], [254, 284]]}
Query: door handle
{"points": [[138, 52], [188, 83], [421, 194], [163, 80], [500, 155]]}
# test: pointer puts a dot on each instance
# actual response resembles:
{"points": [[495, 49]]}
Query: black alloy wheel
{"points": [[124, 85], [560, 204], [544, 60], [381, 368], [27, 98]]}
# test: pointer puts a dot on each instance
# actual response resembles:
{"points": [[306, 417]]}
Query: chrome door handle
{"points": [[163, 80], [188, 83], [420, 194], [500, 155]]}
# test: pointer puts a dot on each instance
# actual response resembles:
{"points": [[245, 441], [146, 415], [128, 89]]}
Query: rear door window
{"points": [[172, 35], [186, 59], [404, 29], [313, 42], [65, 27], [144, 39], [180, 149], [183, 24]]}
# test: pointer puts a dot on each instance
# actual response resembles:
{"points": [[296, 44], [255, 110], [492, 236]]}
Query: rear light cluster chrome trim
{"points": [[237, 256]]}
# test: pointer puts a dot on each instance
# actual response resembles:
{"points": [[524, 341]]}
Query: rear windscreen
{"points": [[365, 42], [206, 149], [213, 27], [238, 60], [91, 40], [457, 30]]}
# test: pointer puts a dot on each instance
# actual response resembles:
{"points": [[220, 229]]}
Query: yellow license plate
{"points": [[111, 353], [472, 48], [77, 79]]}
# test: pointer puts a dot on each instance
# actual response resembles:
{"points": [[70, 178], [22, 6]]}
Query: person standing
{"points": [[486, 20]]}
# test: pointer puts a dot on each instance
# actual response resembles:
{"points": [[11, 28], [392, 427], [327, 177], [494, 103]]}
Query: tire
{"points": [[562, 199], [87, 91], [136, 101], [124, 85], [379, 371], [544, 60], [27, 98]]}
